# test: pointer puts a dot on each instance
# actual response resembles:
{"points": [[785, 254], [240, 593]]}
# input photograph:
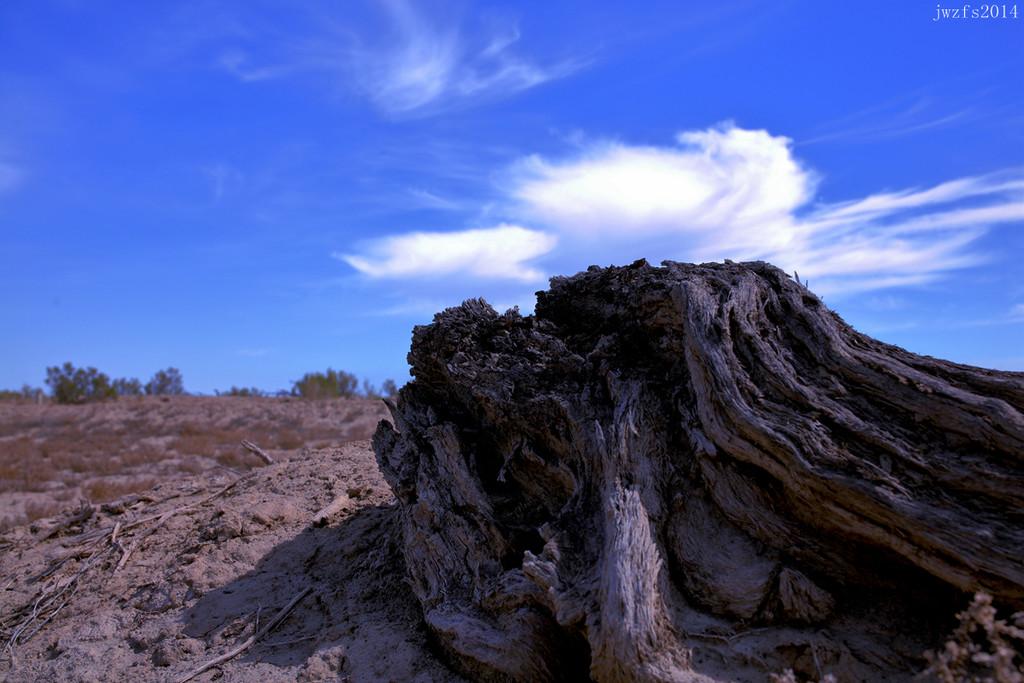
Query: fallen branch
{"points": [[333, 508], [253, 448], [84, 512], [234, 652], [160, 522], [41, 609], [137, 541], [104, 533], [93, 547], [122, 504], [181, 508]]}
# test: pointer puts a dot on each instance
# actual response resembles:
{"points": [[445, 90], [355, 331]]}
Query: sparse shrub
{"points": [[127, 386], [330, 384], [78, 385], [340, 384], [8, 522], [105, 489], [289, 439], [21, 467], [33, 394], [112, 450], [388, 389], [166, 383], [26, 394], [38, 509], [369, 391], [982, 648], [232, 459], [241, 391]]}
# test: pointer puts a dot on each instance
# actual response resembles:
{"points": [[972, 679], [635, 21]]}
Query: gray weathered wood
{"points": [[694, 473]]}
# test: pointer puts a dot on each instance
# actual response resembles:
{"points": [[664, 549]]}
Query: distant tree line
{"points": [[247, 391], [321, 385], [340, 384], [71, 385], [26, 393]]}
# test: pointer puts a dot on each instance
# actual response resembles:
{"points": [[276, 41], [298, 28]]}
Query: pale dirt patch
{"points": [[193, 587]]}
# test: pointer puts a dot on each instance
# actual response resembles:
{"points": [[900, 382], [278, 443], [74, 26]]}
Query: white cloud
{"points": [[713, 184], [721, 193], [424, 66], [964, 218], [1017, 312], [498, 252], [10, 176], [954, 190], [419, 61], [732, 193]]}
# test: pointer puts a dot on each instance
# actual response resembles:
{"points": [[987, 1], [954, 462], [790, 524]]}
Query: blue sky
{"points": [[252, 190]]}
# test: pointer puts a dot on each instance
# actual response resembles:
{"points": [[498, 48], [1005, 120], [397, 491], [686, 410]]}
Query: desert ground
{"points": [[143, 541], [53, 456], [553, 498]]}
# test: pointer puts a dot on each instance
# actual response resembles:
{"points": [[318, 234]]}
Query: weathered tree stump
{"points": [[694, 473]]}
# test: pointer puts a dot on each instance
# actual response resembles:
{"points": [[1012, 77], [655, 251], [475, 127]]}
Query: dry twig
{"points": [[253, 448], [42, 610], [94, 546], [332, 508], [234, 652], [79, 516]]}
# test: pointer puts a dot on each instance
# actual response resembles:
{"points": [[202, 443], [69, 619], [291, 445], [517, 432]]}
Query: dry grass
{"points": [[982, 648], [106, 489], [32, 510], [61, 454]]}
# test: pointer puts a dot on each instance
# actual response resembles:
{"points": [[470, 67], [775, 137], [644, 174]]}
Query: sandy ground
{"points": [[202, 568], [53, 456]]}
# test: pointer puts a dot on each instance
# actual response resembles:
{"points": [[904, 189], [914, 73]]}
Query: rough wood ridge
{"points": [[697, 472]]}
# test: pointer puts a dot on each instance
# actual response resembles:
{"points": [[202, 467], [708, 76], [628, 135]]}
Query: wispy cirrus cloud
{"points": [[963, 188], [429, 200], [424, 65], [909, 114], [500, 252], [419, 63], [241, 65], [724, 192]]}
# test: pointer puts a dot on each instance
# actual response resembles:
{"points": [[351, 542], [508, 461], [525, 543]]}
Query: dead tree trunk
{"points": [[695, 473]]}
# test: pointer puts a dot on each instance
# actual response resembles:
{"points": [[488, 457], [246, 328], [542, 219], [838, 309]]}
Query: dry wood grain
{"points": [[662, 455]]}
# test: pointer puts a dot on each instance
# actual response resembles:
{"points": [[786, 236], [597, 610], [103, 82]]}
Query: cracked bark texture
{"points": [[697, 473]]}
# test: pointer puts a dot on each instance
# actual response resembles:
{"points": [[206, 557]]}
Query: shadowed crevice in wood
{"points": [[694, 473]]}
